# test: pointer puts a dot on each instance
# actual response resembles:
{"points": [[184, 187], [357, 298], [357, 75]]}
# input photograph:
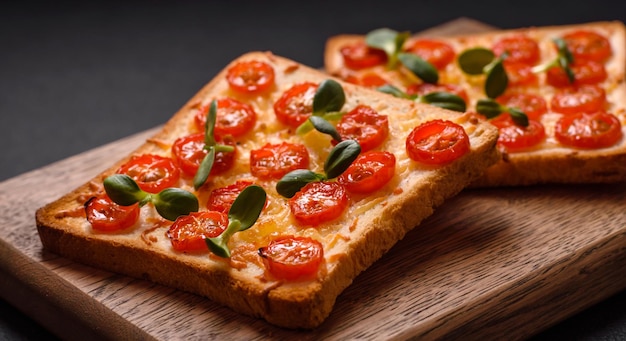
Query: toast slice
{"points": [[370, 225], [548, 161]]}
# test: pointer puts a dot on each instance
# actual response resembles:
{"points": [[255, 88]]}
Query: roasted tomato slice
{"points": [[369, 172], [365, 125], [514, 137], [585, 98], [250, 77], [585, 72], [534, 106], [188, 232], [273, 161], [358, 56], [152, 173], [520, 48], [589, 45], [189, 152], [588, 131], [106, 216], [318, 202], [221, 199], [437, 142], [233, 118], [437, 52], [296, 104], [293, 258], [427, 88]]}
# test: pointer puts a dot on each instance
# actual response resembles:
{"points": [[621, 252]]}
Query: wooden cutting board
{"points": [[496, 264]]}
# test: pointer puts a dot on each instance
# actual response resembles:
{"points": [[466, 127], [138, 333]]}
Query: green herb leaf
{"points": [[497, 79], [248, 206], [328, 97], [518, 117], [563, 60], [209, 125], [123, 190], [445, 100], [394, 91], [204, 170], [323, 126], [421, 68], [489, 108], [473, 61], [389, 41], [293, 181], [171, 203], [340, 158]]}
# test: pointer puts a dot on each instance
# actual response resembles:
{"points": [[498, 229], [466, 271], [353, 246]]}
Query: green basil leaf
{"points": [[171, 203], [209, 126], [394, 91], [473, 61], [421, 68], [389, 41], [293, 181], [497, 80], [489, 108], [341, 157], [123, 190], [325, 127], [204, 170], [248, 206], [445, 100], [518, 116], [328, 97], [218, 246]]}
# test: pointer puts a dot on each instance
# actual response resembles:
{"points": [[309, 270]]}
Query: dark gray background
{"points": [[74, 76]]}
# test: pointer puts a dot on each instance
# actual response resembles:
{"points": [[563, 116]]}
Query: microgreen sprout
{"points": [[327, 103], [563, 60], [440, 99]]}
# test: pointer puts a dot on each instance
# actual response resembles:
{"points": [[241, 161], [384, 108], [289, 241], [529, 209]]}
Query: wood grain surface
{"points": [[496, 264]]}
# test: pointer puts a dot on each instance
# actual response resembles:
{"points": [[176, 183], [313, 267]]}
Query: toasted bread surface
{"points": [[549, 161], [371, 225]]}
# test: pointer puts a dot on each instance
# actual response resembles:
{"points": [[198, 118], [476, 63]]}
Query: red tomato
{"points": [[188, 232], [370, 80], [189, 152], [233, 118], [572, 100], [221, 199], [292, 258], [532, 105], [152, 173], [436, 52], [590, 45], [588, 131], [427, 88], [520, 74], [318, 202], [106, 216], [364, 125], [369, 172], [273, 161], [585, 72], [513, 137], [358, 56], [250, 77], [296, 104], [437, 142], [520, 48]]}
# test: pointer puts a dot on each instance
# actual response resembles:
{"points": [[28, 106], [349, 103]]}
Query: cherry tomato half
{"points": [[520, 48], [273, 161], [369, 80], [437, 142], [189, 152], [233, 118], [106, 216], [588, 131], [221, 199], [188, 232], [585, 98], [369, 172], [250, 77], [514, 137], [589, 45], [296, 104], [520, 74], [437, 52], [358, 56], [293, 258], [152, 173], [427, 88], [365, 125], [532, 105], [318, 202], [585, 72]]}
